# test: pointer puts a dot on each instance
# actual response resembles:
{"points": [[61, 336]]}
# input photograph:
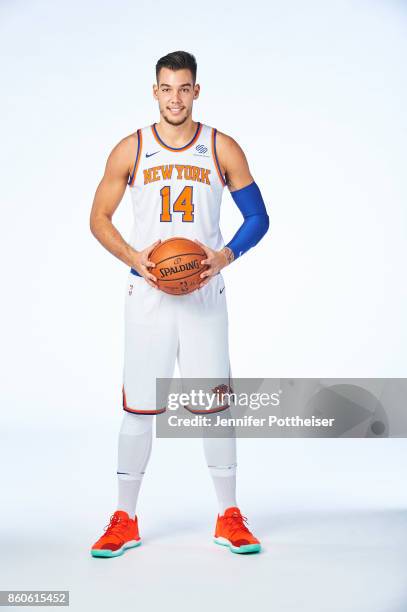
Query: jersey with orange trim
{"points": [[176, 191]]}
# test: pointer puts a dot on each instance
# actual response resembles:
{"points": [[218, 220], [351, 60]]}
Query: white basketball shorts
{"points": [[161, 328]]}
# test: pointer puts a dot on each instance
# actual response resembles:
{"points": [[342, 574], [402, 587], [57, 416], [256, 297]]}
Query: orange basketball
{"points": [[178, 265]]}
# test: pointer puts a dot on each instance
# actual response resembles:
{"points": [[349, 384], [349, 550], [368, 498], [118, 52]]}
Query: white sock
{"points": [[220, 454], [128, 488], [134, 449], [225, 487]]}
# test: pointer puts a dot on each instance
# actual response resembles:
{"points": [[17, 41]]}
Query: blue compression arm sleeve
{"points": [[256, 220]]}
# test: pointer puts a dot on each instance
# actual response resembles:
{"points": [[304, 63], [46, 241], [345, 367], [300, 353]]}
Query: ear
{"points": [[155, 90], [197, 90]]}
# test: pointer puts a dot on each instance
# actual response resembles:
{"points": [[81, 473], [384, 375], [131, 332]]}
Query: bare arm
{"points": [[234, 166], [246, 195], [107, 198], [233, 162]]}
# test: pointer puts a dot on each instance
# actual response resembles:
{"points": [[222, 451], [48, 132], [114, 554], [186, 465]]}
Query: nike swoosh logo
{"points": [[221, 291], [150, 154]]}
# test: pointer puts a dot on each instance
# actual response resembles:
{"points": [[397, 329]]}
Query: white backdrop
{"points": [[315, 93]]}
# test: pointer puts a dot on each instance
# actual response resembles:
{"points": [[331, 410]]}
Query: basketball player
{"points": [[176, 170]]}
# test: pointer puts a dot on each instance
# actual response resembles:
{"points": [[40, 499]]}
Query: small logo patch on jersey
{"points": [[150, 154], [222, 290], [201, 149]]}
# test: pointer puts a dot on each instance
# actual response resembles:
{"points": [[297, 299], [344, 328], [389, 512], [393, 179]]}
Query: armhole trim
{"points": [[215, 157], [132, 177]]}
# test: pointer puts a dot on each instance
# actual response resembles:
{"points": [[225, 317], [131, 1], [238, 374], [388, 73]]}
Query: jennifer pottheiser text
{"points": [[201, 420]]}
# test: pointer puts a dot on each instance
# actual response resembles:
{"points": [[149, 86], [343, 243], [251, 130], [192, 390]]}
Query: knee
{"points": [[136, 424]]}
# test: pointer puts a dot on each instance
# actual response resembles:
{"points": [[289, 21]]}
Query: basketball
{"points": [[178, 265]]}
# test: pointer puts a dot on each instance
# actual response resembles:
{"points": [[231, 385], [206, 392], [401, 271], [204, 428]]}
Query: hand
{"points": [[141, 263], [216, 260]]}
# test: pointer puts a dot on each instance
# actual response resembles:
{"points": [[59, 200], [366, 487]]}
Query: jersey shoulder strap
{"points": [[139, 147], [211, 133]]}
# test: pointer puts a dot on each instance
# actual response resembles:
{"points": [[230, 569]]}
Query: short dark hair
{"points": [[177, 60]]}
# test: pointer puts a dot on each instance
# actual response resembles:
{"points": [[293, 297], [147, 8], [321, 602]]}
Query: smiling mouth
{"points": [[176, 110]]}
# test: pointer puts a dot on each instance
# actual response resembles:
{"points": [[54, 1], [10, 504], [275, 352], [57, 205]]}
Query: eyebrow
{"points": [[183, 85]]}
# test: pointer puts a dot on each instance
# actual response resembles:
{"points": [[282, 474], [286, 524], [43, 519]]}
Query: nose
{"points": [[176, 98]]}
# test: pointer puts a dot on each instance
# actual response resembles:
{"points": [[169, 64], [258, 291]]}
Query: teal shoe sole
{"points": [[246, 548], [99, 552]]}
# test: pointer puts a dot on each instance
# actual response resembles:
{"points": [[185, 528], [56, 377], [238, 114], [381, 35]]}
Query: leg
{"points": [[204, 354], [150, 351], [134, 449], [220, 455]]}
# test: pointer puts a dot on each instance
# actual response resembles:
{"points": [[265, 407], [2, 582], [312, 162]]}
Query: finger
{"points": [[205, 274], [205, 262], [148, 275], [149, 264], [152, 281]]}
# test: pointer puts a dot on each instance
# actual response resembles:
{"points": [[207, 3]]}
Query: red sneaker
{"points": [[232, 531], [120, 534]]}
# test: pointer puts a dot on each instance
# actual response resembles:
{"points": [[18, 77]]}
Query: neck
{"points": [[176, 135]]}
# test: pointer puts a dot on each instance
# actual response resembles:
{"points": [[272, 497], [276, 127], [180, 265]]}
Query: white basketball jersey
{"points": [[176, 192]]}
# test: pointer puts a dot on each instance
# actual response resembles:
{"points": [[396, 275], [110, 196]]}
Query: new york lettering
{"points": [[181, 172]]}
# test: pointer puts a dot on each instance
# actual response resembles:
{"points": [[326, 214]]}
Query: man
{"points": [[176, 170]]}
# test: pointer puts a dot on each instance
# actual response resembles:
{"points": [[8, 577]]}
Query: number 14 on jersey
{"points": [[182, 204]]}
